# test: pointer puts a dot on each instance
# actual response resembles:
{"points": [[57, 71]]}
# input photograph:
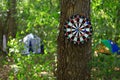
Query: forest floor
{"points": [[4, 68], [6, 62]]}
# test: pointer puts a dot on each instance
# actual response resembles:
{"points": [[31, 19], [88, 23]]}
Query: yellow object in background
{"points": [[102, 49]]}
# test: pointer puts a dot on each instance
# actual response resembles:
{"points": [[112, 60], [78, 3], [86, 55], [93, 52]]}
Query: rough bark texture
{"points": [[73, 59]]}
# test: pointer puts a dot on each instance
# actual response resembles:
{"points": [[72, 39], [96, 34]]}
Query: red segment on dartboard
{"points": [[66, 34], [71, 21]]}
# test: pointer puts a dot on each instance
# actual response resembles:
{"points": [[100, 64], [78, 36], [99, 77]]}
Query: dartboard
{"points": [[78, 29]]}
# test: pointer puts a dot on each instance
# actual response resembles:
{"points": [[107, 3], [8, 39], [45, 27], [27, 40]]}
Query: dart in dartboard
{"points": [[78, 29]]}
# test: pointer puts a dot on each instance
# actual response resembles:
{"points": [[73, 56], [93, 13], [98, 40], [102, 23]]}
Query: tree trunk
{"points": [[1, 35], [11, 21], [73, 59], [8, 26]]}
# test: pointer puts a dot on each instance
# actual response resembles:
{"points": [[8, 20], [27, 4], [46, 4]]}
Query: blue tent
{"points": [[32, 43]]}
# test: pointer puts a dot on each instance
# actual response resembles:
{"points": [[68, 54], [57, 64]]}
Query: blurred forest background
{"points": [[41, 17]]}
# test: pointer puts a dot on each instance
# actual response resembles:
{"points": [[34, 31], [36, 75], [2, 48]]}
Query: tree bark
{"points": [[1, 34], [8, 26], [73, 59], [11, 21]]}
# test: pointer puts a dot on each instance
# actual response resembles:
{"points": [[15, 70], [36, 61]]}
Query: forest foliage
{"points": [[41, 17]]}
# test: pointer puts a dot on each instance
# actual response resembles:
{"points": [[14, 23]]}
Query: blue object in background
{"points": [[114, 46], [32, 43]]}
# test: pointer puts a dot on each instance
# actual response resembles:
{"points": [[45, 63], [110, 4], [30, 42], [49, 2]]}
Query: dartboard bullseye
{"points": [[78, 29]]}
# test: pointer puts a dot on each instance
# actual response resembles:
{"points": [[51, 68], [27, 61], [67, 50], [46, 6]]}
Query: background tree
{"points": [[3, 13], [11, 19], [8, 25], [1, 35], [73, 59]]}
